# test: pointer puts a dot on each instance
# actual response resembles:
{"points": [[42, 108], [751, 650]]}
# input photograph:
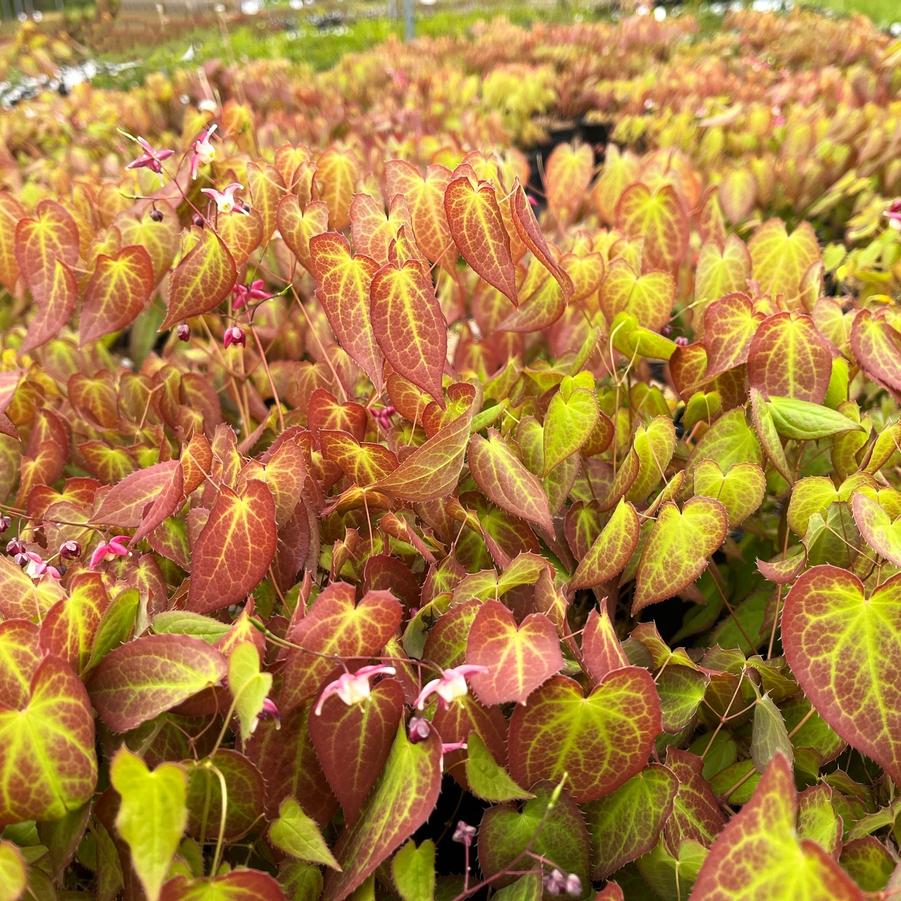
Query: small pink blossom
{"points": [[447, 747], [150, 159], [256, 290], [269, 711], [450, 686], [893, 214], [202, 151], [234, 335], [225, 199], [383, 416], [556, 883], [352, 687], [464, 833], [115, 547], [37, 567], [418, 729]]}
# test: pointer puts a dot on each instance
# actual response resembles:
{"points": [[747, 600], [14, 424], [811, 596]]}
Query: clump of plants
{"points": [[383, 527]]}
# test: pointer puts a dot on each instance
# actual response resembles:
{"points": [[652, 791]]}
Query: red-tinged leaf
{"points": [[696, 814], [19, 597], [373, 230], [334, 182], [325, 412], [343, 282], [424, 197], [722, 269], [49, 237], [118, 291], [505, 480], [432, 470], [729, 325], [124, 504], [244, 794], [165, 504], [235, 548], [409, 325], [649, 296], [568, 175], [159, 239], [658, 219], [877, 348], [477, 227], [204, 277], [602, 651], [678, 549], [402, 800], [543, 308], [20, 654], [519, 658], [238, 885], [338, 627], [879, 528], [11, 211], [48, 765], [760, 848], [780, 260], [599, 741], [284, 752], [68, 629], [353, 742], [265, 192], [531, 235], [298, 226], [628, 822], [137, 681], [844, 646], [789, 358], [611, 550], [54, 305], [364, 464]]}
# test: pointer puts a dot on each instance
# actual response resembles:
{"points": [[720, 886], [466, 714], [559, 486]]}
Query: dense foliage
{"points": [[399, 504]]}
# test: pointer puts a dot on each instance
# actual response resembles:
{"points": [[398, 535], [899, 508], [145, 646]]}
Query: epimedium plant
{"points": [[375, 532]]}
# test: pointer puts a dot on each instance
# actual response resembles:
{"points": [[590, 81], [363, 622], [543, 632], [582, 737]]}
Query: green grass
{"points": [[882, 12]]}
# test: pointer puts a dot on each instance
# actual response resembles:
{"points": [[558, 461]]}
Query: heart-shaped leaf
{"points": [[678, 549], [203, 278], [611, 551], [298, 835], [844, 647], [599, 741], [571, 416], [518, 658], [881, 531]]}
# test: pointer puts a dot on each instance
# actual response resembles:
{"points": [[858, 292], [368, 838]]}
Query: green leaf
{"points": [[570, 418], [13, 874], [152, 815], [248, 686], [413, 871], [116, 626], [526, 888], [488, 779], [298, 835], [807, 421], [768, 734], [184, 622], [627, 823]]}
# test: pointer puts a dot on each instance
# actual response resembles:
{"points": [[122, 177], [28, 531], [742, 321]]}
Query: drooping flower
{"points": [[115, 547], [450, 686], [464, 833], [256, 290], [69, 550], [893, 214], [225, 199], [183, 331], [151, 158], [202, 151], [234, 335], [556, 883], [15, 546], [352, 687], [37, 567], [418, 729]]}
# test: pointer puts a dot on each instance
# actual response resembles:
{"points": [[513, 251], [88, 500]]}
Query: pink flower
{"points": [[256, 290], [150, 159], [464, 833], [352, 687], [115, 547], [418, 729], [270, 711], [234, 335], [383, 416], [893, 214], [450, 686], [37, 567], [202, 151], [555, 883], [225, 199]]}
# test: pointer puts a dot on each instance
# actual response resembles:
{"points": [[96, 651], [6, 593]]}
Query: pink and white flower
{"points": [[893, 214], [450, 686], [202, 152], [225, 199], [234, 335], [352, 688], [115, 547], [151, 158], [37, 567]]}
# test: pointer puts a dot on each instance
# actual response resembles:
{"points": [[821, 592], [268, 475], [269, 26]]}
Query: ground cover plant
{"points": [[396, 505]]}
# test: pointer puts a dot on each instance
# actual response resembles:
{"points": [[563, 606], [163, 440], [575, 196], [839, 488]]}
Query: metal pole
{"points": [[409, 30]]}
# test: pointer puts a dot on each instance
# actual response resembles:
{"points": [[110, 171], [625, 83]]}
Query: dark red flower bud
{"points": [[16, 546], [4, 523], [183, 331], [20, 559], [69, 550], [198, 220], [156, 215]]}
